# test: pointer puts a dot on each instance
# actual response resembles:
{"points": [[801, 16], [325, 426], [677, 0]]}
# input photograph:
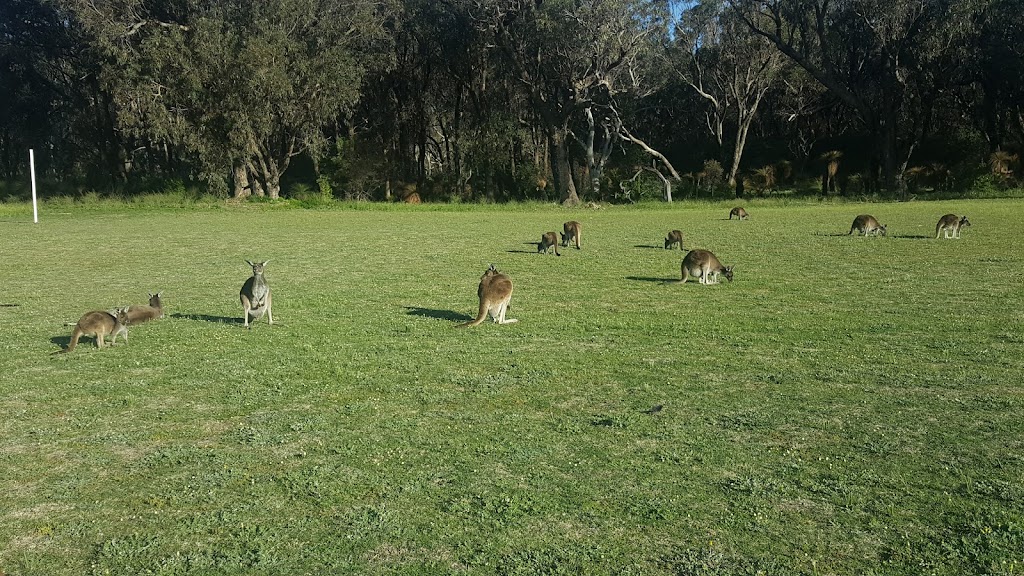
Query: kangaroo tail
{"points": [[71, 345], [479, 317]]}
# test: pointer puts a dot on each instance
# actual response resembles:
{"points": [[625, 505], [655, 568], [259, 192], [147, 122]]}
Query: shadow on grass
{"points": [[63, 341], [437, 314], [662, 247], [910, 236], [209, 318], [652, 279], [523, 252], [837, 235], [9, 305]]}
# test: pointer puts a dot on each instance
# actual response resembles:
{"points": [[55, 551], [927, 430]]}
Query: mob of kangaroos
{"points": [[255, 295]]}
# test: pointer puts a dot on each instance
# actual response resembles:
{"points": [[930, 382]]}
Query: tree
{"points": [[728, 66], [244, 85]]}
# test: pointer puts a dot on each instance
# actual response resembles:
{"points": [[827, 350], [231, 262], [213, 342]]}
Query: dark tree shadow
{"points": [[438, 314], [652, 279], [209, 318]]}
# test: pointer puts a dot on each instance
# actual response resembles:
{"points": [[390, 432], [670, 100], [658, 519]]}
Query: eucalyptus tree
{"points": [[241, 85], [571, 58], [728, 66], [889, 61]]}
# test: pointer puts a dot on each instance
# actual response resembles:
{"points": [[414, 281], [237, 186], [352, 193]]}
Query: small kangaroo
{"points": [[139, 313], [99, 323], [674, 237], [951, 223], [548, 240], [705, 266], [738, 212], [255, 295], [866, 224], [495, 292], [572, 233]]}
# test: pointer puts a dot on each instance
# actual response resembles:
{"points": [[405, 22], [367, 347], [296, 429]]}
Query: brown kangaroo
{"points": [[674, 237], [705, 266], [739, 213], [255, 295], [867, 224], [951, 223], [572, 232], [99, 323], [495, 292], [548, 240], [138, 314]]}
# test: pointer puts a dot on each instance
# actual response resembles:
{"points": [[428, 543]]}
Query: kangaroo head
{"points": [[964, 222], [728, 273], [257, 267], [882, 230], [154, 300]]}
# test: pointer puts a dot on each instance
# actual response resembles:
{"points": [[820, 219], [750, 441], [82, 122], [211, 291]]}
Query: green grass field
{"points": [[848, 405]]}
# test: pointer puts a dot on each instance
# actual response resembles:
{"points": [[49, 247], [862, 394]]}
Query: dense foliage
{"points": [[513, 99]]}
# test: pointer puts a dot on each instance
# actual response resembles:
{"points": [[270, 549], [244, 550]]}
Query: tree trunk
{"points": [[242, 186], [561, 173]]}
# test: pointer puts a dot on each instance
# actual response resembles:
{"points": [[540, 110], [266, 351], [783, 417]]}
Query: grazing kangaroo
{"points": [[674, 237], [739, 213], [951, 223], [866, 224], [705, 266], [572, 233], [99, 323], [255, 295], [139, 314], [548, 240], [495, 292]]}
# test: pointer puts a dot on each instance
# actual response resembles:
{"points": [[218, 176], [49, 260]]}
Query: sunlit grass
{"points": [[847, 405]]}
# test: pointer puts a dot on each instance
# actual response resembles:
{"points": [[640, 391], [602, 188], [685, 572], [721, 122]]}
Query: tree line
{"points": [[514, 99]]}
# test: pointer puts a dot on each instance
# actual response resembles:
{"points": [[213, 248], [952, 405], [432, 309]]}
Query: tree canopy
{"points": [[513, 99]]}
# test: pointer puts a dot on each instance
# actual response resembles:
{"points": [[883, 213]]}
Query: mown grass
{"points": [[847, 405]]}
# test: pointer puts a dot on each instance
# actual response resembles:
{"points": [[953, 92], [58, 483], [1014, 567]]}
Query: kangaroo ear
{"points": [[249, 263], [265, 262]]}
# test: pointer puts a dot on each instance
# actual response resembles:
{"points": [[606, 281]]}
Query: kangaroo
{"points": [[674, 237], [495, 292], [866, 224], [548, 240], [705, 266], [99, 323], [139, 314], [572, 233], [739, 213], [255, 295], [951, 223]]}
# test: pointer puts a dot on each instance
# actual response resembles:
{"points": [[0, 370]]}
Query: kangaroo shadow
{"points": [[910, 236], [837, 235], [61, 341], [9, 305], [652, 279], [648, 246], [522, 252], [209, 318], [437, 314]]}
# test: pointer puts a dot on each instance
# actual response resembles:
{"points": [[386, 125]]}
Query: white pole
{"points": [[32, 168]]}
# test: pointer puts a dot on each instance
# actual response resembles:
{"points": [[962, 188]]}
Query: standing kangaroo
{"points": [[255, 295], [866, 224], [571, 233], [495, 292], [704, 266], [674, 237], [548, 240], [99, 323], [738, 212], [951, 223], [138, 314]]}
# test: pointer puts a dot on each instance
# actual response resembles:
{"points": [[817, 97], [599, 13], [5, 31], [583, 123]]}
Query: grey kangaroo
{"points": [[137, 314], [255, 295], [99, 324]]}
